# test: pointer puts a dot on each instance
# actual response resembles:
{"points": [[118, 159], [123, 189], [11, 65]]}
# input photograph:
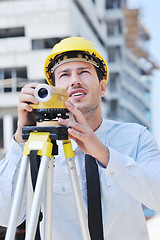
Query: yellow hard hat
{"points": [[74, 49]]}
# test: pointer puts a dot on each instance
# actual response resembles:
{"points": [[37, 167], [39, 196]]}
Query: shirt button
{"points": [[63, 189], [112, 173]]}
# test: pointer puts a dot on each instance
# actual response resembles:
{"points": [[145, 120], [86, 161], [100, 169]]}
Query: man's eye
{"points": [[63, 75], [84, 71]]}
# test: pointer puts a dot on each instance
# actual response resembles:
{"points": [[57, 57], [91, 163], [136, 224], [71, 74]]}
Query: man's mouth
{"points": [[77, 93]]}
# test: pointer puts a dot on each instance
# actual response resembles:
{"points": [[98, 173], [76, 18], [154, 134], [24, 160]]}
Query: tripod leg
{"points": [[11, 230], [37, 199], [29, 196], [48, 202], [69, 154]]}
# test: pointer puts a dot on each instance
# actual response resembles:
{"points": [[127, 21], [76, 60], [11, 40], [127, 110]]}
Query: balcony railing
{"points": [[14, 84]]}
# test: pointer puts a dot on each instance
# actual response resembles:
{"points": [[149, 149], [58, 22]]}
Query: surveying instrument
{"points": [[39, 151]]}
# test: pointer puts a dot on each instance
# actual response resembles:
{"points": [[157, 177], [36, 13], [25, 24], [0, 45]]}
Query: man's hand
{"points": [[84, 136], [25, 114]]}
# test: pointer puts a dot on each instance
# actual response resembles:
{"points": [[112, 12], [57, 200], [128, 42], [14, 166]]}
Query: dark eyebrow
{"points": [[61, 72], [82, 68], [65, 70]]}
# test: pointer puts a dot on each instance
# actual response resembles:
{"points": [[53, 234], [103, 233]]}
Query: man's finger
{"points": [[76, 126], [27, 98], [76, 113], [76, 134], [25, 106]]}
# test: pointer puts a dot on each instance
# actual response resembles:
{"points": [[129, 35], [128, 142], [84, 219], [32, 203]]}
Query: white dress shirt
{"points": [[131, 178]]}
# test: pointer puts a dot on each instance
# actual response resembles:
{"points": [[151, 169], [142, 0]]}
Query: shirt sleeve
{"points": [[9, 168], [139, 177]]}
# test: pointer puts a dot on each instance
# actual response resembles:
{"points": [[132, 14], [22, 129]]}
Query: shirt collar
{"points": [[100, 130]]}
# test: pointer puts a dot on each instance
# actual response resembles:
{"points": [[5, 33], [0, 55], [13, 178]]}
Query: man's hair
{"points": [[99, 73]]}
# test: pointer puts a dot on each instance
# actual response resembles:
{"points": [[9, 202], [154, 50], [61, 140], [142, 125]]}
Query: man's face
{"points": [[82, 84]]}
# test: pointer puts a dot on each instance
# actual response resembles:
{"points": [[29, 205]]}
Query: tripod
{"points": [[42, 139]]}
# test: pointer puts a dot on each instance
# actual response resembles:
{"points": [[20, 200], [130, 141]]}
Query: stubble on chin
{"points": [[88, 109]]}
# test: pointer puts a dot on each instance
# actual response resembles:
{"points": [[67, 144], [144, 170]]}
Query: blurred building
{"points": [[129, 96], [30, 28]]}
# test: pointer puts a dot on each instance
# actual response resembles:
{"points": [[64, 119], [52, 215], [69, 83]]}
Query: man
{"points": [[126, 154]]}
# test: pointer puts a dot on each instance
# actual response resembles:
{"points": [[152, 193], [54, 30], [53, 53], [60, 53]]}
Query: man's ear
{"points": [[103, 87]]}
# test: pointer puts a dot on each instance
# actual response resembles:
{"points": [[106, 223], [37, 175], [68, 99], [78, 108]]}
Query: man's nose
{"points": [[75, 80]]}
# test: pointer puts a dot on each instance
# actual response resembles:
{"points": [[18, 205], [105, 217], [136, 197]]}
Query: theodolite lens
{"points": [[43, 93]]}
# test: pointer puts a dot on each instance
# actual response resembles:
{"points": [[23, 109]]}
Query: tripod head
{"points": [[51, 103]]}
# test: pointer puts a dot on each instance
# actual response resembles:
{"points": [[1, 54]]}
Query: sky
{"points": [[150, 17]]}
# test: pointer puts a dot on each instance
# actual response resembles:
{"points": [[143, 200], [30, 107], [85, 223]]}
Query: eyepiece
{"points": [[43, 93]]}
